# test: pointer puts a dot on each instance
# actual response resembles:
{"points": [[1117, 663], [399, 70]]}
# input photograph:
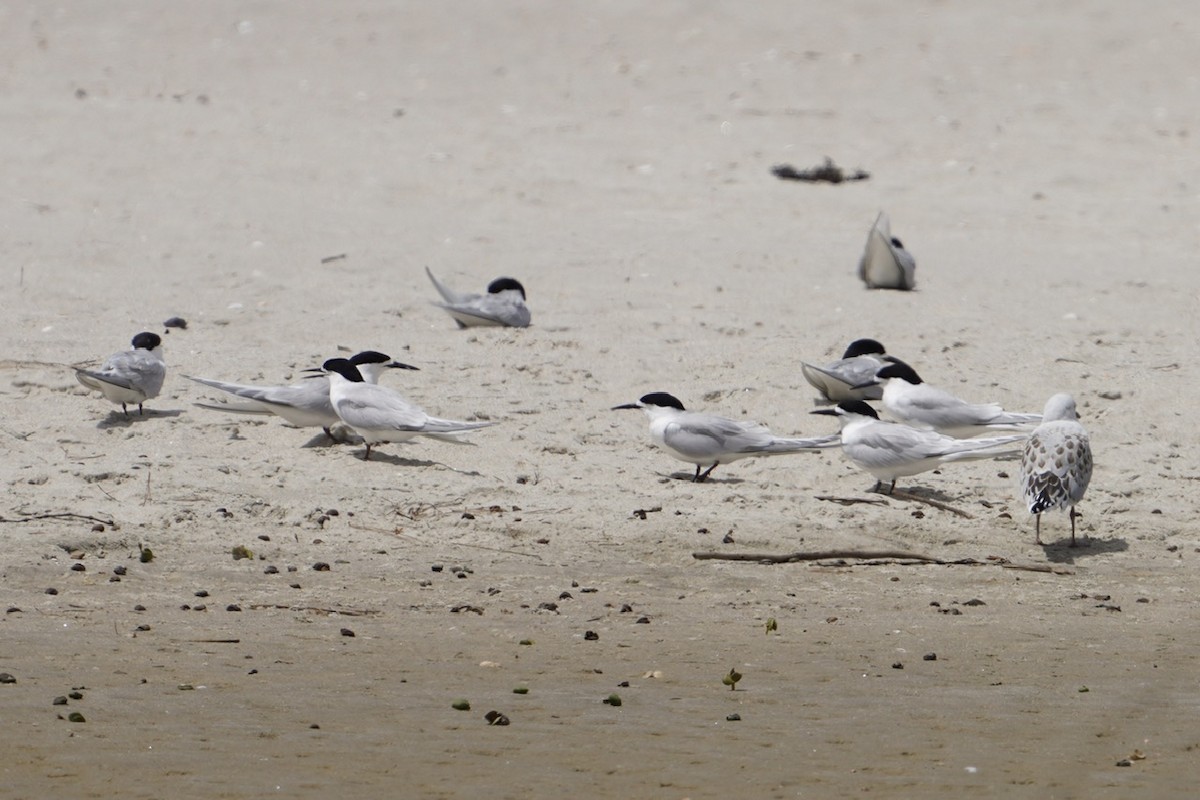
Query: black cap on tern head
{"points": [[146, 341], [898, 369], [864, 347], [504, 284], [343, 367], [660, 399], [848, 407], [858, 407], [376, 357]]}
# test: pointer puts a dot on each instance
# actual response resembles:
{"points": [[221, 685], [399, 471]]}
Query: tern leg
{"points": [[700, 478], [141, 411], [367, 455], [124, 410]]}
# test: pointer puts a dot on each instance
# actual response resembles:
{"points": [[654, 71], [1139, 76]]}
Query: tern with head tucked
{"points": [[378, 414], [502, 306], [914, 402], [132, 376], [885, 264], [852, 377], [1056, 466], [305, 403], [708, 440], [891, 450]]}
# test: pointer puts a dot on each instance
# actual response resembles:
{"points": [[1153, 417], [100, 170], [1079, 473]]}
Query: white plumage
{"points": [[891, 450], [378, 414], [708, 440]]}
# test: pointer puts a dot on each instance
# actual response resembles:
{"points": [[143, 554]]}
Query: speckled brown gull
{"points": [[1057, 463]]}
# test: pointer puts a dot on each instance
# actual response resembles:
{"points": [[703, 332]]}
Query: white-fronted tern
{"points": [[914, 402], [379, 414], [305, 403], [503, 305], [708, 440], [132, 376], [1056, 466], [891, 450], [852, 377], [885, 264]]}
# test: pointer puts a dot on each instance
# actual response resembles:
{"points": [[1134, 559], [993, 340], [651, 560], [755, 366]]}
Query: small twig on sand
{"points": [[934, 503], [849, 501], [146, 499], [345, 612]]}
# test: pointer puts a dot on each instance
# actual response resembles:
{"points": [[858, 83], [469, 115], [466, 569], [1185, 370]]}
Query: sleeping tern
{"points": [[891, 450], [852, 376], [305, 403], [710, 440], [914, 402], [379, 414], [1057, 463], [885, 264], [503, 305], [132, 376]]}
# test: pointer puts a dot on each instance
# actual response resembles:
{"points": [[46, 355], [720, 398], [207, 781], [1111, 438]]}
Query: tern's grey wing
{"points": [[884, 265], [134, 370], [702, 436], [448, 294], [504, 309], [376, 408], [780, 445], [836, 381]]}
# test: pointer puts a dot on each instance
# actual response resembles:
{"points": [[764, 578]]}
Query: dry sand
{"points": [[204, 160]]}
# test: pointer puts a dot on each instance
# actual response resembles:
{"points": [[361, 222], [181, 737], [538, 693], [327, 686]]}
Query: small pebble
{"points": [[733, 718], [201, 593], [262, 537], [566, 596], [437, 567], [314, 727], [98, 528], [1124, 762], [200, 607], [612, 700], [626, 608], [142, 628], [271, 569], [461, 705], [7, 677], [348, 632], [13, 610], [139, 607], [321, 566], [233, 607], [52, 590], [78, 568], [75, 716], [176, 322], [76, 695], [119, 569], [642, 621], [929, 657], [114, 578], [897, 665], [591, 636], [61, 700], [496, 718]]}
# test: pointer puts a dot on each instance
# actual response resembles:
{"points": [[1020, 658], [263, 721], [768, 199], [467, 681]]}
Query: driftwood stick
{"points": [[820, 555], [879, 556], [59, 515]]}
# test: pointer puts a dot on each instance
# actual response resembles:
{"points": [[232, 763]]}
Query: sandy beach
{"points": [[279, 176]]}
